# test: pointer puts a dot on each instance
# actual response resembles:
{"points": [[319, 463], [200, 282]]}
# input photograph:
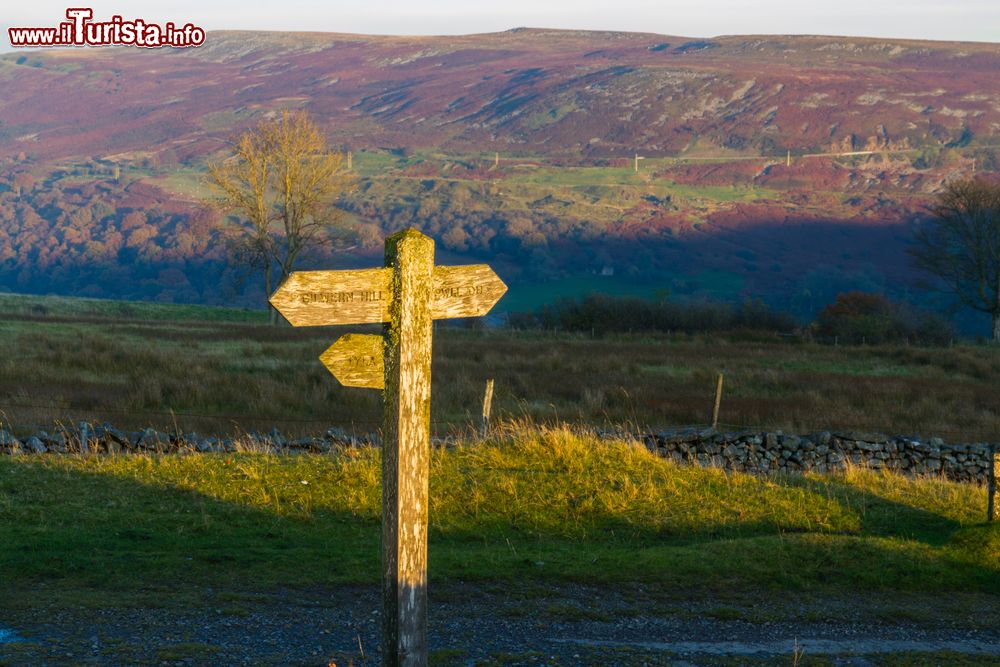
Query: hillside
{"points": [[564, 92], [743, 191]]}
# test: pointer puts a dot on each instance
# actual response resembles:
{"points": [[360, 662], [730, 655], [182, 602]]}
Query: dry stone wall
{"points": [[743, 451], [826, 451]]}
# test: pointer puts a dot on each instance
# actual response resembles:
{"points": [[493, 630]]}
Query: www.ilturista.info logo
{"points": [[81, 31]]}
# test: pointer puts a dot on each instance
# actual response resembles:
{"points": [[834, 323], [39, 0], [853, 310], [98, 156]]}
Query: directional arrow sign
{"points": [[362, 296], [356, 361], [316, 298]]}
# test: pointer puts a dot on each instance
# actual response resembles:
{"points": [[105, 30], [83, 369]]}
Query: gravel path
{"points": [[861, 645], [497, 625]]}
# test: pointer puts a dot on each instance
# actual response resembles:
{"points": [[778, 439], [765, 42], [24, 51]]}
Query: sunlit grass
{"points": [[527, 505]]}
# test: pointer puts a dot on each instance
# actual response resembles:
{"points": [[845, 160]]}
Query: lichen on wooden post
{"points": [[406, 449]]}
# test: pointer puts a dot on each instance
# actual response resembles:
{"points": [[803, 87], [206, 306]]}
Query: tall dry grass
{"points": [[230, 378]]}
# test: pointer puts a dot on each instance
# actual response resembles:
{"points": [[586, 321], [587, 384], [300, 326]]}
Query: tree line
{"points": [[94, 239], [853, 318]]}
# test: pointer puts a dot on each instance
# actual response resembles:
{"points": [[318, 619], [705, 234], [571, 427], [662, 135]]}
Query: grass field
{"points": [[215, 371], [535, 509], [526, 506], [105, 309], [521, 519]]}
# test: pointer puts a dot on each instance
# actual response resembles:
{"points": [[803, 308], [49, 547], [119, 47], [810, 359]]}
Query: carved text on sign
{"points": [[341, 297], [459, 291]]}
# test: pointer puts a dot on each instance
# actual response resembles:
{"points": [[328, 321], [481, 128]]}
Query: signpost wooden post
{"points": [[406, 296]]}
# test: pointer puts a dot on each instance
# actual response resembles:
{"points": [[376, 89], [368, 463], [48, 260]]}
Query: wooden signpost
{"points": [[407, 296]]}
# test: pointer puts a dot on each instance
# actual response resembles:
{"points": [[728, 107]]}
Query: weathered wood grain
{"points": [[406, 450], [356, 360], [465, 291], [324, 298]]}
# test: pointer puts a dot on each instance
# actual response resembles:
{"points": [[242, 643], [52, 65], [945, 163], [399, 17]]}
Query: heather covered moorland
{"points": [[517, 148]]}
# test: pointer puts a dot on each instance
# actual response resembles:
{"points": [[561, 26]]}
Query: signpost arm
{"points": [[406, 449]]}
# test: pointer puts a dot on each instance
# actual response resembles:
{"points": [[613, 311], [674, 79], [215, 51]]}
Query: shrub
{"points": [[865, 317]]}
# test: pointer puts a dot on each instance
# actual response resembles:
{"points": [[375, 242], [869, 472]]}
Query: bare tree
{"points": [[282, 183], [960, 244], [245, 182]]}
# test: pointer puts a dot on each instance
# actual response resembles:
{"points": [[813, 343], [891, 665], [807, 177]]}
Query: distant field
{"points": [[189, 184], [77, 307], [581, 182], [220, 370]]}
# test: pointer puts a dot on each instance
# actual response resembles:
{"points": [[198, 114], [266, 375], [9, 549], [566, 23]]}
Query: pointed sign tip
{"points": [[356, 360]]}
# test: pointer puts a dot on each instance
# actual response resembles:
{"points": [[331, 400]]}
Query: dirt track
{"points": [[492, 624]]}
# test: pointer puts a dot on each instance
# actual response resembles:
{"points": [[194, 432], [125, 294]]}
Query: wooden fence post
{"points": [[718, 401], [406, 449], [991, 485], [487, 407]]}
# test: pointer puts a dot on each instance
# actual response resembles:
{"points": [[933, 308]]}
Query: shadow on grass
{"points": [[881, 516], [66, 528], [105, 531]]}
